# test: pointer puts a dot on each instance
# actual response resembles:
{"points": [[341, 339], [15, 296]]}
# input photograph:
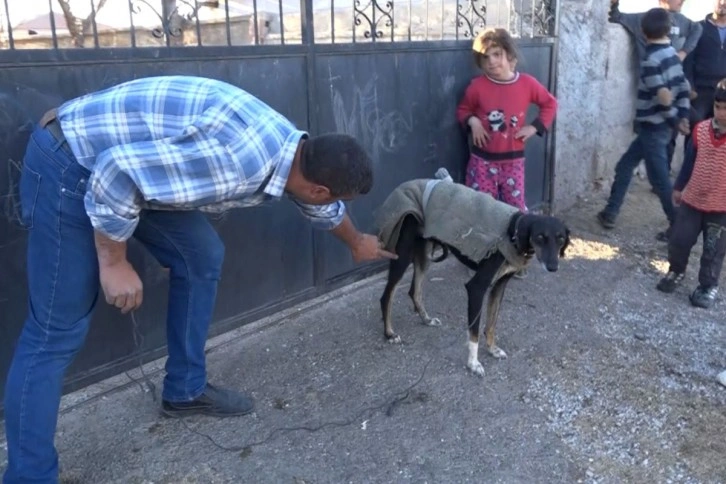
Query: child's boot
{"points": [[670, 282], [704, 296]]}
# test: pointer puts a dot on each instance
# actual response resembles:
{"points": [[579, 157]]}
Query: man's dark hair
{"points": [[719, 96], [338, 162], [656, 23]]}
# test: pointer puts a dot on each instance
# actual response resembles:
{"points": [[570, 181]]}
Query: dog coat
{"points": [[473, 222]]}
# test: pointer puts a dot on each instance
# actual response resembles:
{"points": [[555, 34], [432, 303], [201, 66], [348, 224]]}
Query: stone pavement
{"points": [[607, 380]]}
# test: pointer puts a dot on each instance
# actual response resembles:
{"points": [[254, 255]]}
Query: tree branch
{"points": [[77, 28]]}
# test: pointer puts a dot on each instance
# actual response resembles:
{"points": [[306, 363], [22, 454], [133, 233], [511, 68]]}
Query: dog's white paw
{"points": [[432, 322], [497, 352], [476, 367], [394, 340]]}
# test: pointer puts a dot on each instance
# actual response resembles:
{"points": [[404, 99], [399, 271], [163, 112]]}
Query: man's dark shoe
{"points": [[216, 402], [670, 282], [606, 220], [703, 297]]}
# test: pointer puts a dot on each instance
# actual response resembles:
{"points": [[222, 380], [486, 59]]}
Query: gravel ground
{"points": [[607, 381]]}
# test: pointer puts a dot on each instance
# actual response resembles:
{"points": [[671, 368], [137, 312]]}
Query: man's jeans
{"points": [[63, 284], [651, 144]]}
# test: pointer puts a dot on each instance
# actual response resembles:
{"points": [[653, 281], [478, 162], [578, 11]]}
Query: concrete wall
{"points": [[596, 90]]}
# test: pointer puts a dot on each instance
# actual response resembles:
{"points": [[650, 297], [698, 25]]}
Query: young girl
{"points": [[494, 108]]}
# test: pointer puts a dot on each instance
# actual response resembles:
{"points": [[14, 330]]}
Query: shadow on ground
{"points": [[607, 381]]}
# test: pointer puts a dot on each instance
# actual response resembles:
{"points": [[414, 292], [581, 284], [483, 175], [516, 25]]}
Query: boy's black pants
{"points": [[689, 223]]}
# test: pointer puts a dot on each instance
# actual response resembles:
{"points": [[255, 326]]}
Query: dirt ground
{"points": [[606, 381], [646, 404]]}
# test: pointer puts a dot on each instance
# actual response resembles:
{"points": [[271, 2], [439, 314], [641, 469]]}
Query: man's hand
{"points": [[684, 126], [677, 197], [368, 248], [363, 247], [682, 55], [120, 283], [122, 286], [479, 135], [525, 133]]}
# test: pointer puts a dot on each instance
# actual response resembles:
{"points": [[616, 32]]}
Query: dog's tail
{"points": [[444, 252]]}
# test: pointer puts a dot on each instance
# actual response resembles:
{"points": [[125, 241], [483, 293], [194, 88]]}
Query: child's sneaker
{"points": [[669, 283], [703, 297], [606, 220]]}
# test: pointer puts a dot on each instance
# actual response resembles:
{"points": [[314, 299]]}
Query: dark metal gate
{"points": [[384, 78]]}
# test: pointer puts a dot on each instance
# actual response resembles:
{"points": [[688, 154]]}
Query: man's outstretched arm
{"points": [[363, 247]]}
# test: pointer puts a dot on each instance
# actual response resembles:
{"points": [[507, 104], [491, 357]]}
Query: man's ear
{"points": [[319, 192], [567, 242]]}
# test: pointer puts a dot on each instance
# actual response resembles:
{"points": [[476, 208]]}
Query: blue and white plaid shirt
{"points": [[181, 143]]}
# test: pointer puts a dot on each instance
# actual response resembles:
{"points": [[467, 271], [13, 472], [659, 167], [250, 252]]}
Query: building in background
{"points": [[693, 9]]}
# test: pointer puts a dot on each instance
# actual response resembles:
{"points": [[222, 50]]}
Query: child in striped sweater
{"points": [[662, 106], [700, 194]]}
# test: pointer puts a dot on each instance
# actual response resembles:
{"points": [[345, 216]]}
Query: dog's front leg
{"points": [[476, 289], [475, 303], [495, 301]]}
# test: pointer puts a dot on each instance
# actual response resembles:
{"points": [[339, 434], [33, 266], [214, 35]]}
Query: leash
{"points": [[390, 404], [139, 343]]}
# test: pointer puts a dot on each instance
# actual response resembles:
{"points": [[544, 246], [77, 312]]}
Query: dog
{"points": [[543, 237]]}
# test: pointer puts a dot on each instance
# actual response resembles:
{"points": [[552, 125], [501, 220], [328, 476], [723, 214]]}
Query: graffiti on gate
{"points": [[380, 131]]}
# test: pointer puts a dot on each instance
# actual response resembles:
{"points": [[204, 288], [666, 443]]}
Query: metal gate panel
{"points": [[396, 92]]}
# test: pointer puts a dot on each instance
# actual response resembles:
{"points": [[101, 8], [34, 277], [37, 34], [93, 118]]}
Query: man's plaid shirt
{"points": [[180, 143]]}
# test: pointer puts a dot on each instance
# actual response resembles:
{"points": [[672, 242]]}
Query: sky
{"points": [[117, 11]]}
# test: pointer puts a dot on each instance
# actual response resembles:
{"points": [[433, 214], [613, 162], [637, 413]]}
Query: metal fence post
{"points": [[307, 27], [550, 149]]}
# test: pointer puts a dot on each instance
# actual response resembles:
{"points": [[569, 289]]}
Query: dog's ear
{"points": [[566, 244]]}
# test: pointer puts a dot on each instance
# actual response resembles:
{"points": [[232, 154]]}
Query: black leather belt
{"points": [[50, 122]]}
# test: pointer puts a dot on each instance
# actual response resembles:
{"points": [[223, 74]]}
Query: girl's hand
{"points": [[478, 134], [677, 197], [525, 133]]}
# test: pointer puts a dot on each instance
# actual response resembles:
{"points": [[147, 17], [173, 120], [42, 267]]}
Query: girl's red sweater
{"points": [[502, 108]]}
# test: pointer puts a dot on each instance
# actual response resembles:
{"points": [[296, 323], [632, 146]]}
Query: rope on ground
{"points": [[389, 405]]}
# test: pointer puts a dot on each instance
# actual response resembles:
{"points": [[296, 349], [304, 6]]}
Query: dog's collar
{"points": [[524, 251]]}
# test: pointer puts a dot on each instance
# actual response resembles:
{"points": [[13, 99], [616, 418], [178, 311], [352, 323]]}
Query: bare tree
{"points": [[173, 23], [78, 27]]}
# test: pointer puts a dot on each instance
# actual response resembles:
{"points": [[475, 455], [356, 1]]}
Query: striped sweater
{"points": [[704, 170], [661, 68]]}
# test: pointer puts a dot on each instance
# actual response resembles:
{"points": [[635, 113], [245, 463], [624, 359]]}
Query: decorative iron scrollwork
{"points": [[172, 21], [384, 13], [471, 15], [544, 18]]}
